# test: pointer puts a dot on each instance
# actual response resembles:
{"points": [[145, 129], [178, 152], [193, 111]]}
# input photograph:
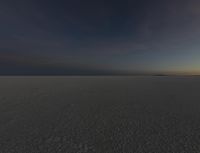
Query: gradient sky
{"points": [[99, 36]]}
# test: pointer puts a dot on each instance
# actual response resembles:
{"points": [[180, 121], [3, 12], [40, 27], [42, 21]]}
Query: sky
{"points": [[99, 37]]}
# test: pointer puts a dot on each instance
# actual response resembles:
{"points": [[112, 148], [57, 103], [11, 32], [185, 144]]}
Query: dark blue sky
{"points": [[99, 37]]}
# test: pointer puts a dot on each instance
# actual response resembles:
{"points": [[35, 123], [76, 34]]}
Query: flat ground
{"points": [[99, 115]]}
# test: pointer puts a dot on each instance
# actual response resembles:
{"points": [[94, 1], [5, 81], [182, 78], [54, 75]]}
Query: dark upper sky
{"points": [[99, 36]]}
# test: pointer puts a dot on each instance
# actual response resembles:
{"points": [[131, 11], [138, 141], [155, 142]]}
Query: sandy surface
{"points": [[99, 115]]}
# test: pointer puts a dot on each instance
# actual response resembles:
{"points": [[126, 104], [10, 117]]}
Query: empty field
{"points": [[99, 114]]}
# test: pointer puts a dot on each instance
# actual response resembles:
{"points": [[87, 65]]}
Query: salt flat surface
{"points": [[99, 114]]}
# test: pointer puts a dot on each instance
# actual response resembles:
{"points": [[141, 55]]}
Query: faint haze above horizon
{"points": [[99, 37]]}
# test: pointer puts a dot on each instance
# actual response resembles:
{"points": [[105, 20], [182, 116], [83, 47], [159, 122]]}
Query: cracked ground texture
{"points": [[99, 114]]}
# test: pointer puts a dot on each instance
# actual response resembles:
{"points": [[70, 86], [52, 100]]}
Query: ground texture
{"points": [[99, 115]]}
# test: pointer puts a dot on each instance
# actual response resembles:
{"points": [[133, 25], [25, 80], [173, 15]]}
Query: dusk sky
{"points": [[99, 37]]}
